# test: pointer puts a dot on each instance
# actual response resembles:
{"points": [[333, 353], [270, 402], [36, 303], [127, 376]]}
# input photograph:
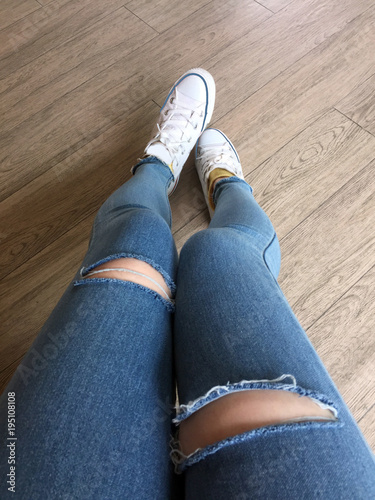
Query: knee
{"points": [[209, 246], [244, 411], [135, 271]]}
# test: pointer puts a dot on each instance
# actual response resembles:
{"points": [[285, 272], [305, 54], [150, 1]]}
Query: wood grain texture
{"points": [[66, 67], [46, 28], [367, 426], [274, 5], [344, 339], [273, 115], [297, 179], [270, 48], [46, 2], [163, 14], [331, 249], [12, 10], [359, 105], [109, 95], [51, 204]]}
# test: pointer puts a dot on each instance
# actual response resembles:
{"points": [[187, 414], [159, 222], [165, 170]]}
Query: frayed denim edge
{"points": [[170, 283], [155, 161], [228, 180], [169, 304], [184, 411], [181, 461]]}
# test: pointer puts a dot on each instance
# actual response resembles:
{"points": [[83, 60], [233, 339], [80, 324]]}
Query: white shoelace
{"points": [[217, 156], [179, 122]]}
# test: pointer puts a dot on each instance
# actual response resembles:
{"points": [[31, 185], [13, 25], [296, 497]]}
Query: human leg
{"points": [[268, 418], [93, 394], [96, 387]]}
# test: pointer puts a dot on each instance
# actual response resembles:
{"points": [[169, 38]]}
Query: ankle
{"points": [[216, 175]]}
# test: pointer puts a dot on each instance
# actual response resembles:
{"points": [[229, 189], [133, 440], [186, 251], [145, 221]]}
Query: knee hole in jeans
{"points": [[244, 411], [134, 270]]}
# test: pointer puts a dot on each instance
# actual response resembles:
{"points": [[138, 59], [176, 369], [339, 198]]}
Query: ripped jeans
{"points": [[95, 393]]}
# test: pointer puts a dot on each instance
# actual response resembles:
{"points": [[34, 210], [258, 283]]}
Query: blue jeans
{"points": [[94, 395]]}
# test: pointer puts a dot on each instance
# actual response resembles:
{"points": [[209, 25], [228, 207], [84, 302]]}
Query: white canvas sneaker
{"points": [[183, 117], [214, 150]]}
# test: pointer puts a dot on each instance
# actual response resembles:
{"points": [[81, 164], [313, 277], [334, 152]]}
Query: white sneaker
{"points": [[214, 150], [183, 117]]}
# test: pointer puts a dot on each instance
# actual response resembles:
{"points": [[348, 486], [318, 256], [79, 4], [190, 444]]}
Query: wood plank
{"points": [[359, 105], [45, 2], [309, 169], [269, 49], [330, 250], [275, 5], [273, 115], [367, 426], [53, 203], [154, 13], [78, 117], [201, 221], [135, 65], [47, 28], [118, 90], [64, 68], [12, 10], [344, 339]]}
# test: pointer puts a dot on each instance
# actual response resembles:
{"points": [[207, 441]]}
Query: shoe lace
{"points": [[217, 155], [177, 128]]}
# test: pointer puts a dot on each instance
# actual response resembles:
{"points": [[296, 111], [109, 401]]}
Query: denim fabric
{"points": [[94, 394]]}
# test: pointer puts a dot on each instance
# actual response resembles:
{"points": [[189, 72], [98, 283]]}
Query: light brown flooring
{"points": [[80, 87]]}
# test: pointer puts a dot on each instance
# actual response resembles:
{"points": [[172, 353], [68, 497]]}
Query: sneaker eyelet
{"points": [[166, 112], [196, 126]]}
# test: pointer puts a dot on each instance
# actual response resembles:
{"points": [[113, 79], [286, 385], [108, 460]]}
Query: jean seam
{"points": [[154, 160], [264, 256]]}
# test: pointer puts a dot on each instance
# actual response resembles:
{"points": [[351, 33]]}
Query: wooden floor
{"points": [[81, 84]]}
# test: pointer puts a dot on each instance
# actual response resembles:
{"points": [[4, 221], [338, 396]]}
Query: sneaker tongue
{"points": [[189, 101]]}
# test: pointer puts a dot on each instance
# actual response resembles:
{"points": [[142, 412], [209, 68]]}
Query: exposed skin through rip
{"points": [[129, 263], [244, 411]]}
